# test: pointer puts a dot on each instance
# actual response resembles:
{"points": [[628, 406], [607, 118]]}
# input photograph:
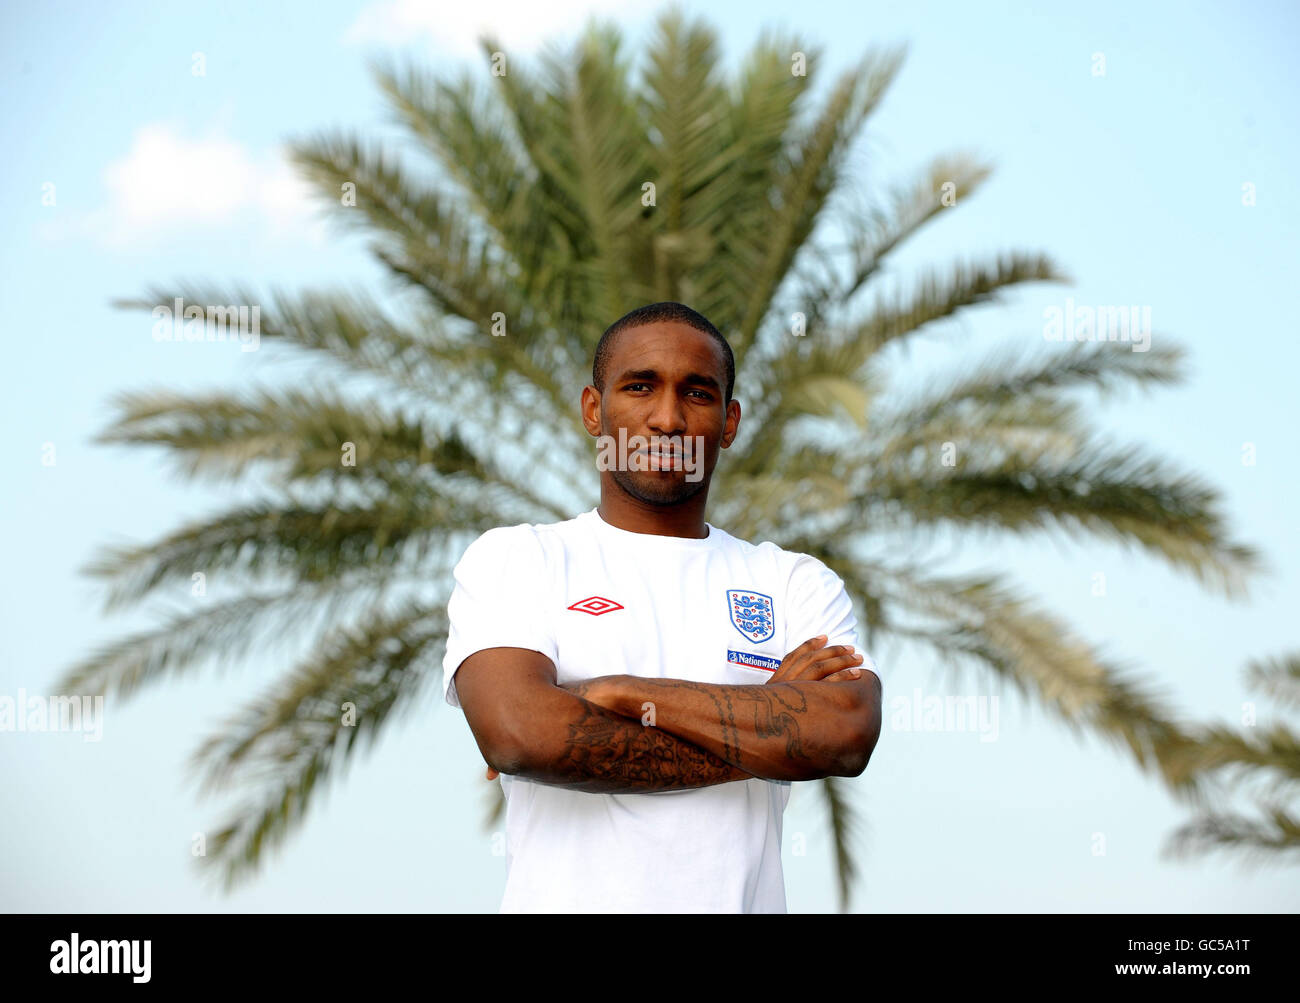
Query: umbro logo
{"points": [[595, 605]]}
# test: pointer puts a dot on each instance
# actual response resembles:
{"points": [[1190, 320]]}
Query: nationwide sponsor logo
{"points": [[752, 614], [595, 605], [753, 661]]}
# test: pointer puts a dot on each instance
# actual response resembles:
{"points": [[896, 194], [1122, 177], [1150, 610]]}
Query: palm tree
{"points": [[1269, 754], [558, 200]]}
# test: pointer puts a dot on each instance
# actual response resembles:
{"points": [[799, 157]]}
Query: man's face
{"points": [[664, 380]]}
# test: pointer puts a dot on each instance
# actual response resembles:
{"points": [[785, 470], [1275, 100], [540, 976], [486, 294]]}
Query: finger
{"points": [[830, 666], [793, 659], [818, 664], [492, 774], [807, 648], [798, 658], [834, 651]]}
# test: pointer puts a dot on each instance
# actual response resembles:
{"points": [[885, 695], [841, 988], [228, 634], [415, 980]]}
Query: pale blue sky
{"points": [[1132, 181]]}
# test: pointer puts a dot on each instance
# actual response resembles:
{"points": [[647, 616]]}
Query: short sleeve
{"points": [[497, 601], [820, 604]]}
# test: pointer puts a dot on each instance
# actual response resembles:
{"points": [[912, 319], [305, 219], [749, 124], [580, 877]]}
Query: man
{"points": [[647, 685]]}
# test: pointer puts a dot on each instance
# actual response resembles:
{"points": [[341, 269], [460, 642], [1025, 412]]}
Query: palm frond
{"points": [[218, 632], [845, 828], [877, 232], [350, 329], [847, 353], [1219, 748], [807, 176], [937, 297], [307, 727], [1278, 677], [985, 622], [1255, 840], [1005, 377], [302, 541], [1116, 492]]}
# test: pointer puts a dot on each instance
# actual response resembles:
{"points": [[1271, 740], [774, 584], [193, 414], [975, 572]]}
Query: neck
{"points": [[621, 510]]}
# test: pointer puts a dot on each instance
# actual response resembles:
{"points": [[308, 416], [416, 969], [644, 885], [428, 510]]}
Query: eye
{"points": [[703, 393], [634, 386]]}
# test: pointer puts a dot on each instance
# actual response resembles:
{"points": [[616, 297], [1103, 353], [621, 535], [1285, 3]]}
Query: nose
{"points": [[666, 414]]}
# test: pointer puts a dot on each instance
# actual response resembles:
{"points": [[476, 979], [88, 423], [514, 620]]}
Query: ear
{"points": [[591, 410], [733, 423]]}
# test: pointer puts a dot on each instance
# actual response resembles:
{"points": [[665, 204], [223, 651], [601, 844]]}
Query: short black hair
{"points": [[655, 313]]}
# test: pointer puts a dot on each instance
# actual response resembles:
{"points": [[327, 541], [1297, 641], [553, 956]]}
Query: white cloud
{"points": [[287, 200], [520, 24], [165, 179], [167, 182]]}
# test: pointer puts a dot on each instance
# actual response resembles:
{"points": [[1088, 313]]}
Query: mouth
{"points": [[661, 459]]}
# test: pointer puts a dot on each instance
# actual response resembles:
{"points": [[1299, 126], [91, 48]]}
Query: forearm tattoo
{"points": [[775, 712], [620, 755]]}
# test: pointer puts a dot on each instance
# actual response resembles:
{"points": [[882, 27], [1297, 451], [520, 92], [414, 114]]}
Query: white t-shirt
{"points": [[597, 601]]}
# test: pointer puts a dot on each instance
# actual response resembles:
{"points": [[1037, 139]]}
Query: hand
{"points": [[813, 661]]}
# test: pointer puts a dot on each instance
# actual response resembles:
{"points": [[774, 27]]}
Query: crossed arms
{"points": [[624, 734]]}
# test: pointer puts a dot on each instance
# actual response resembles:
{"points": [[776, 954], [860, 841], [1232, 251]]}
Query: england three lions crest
{"points": [[752, 614]]}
